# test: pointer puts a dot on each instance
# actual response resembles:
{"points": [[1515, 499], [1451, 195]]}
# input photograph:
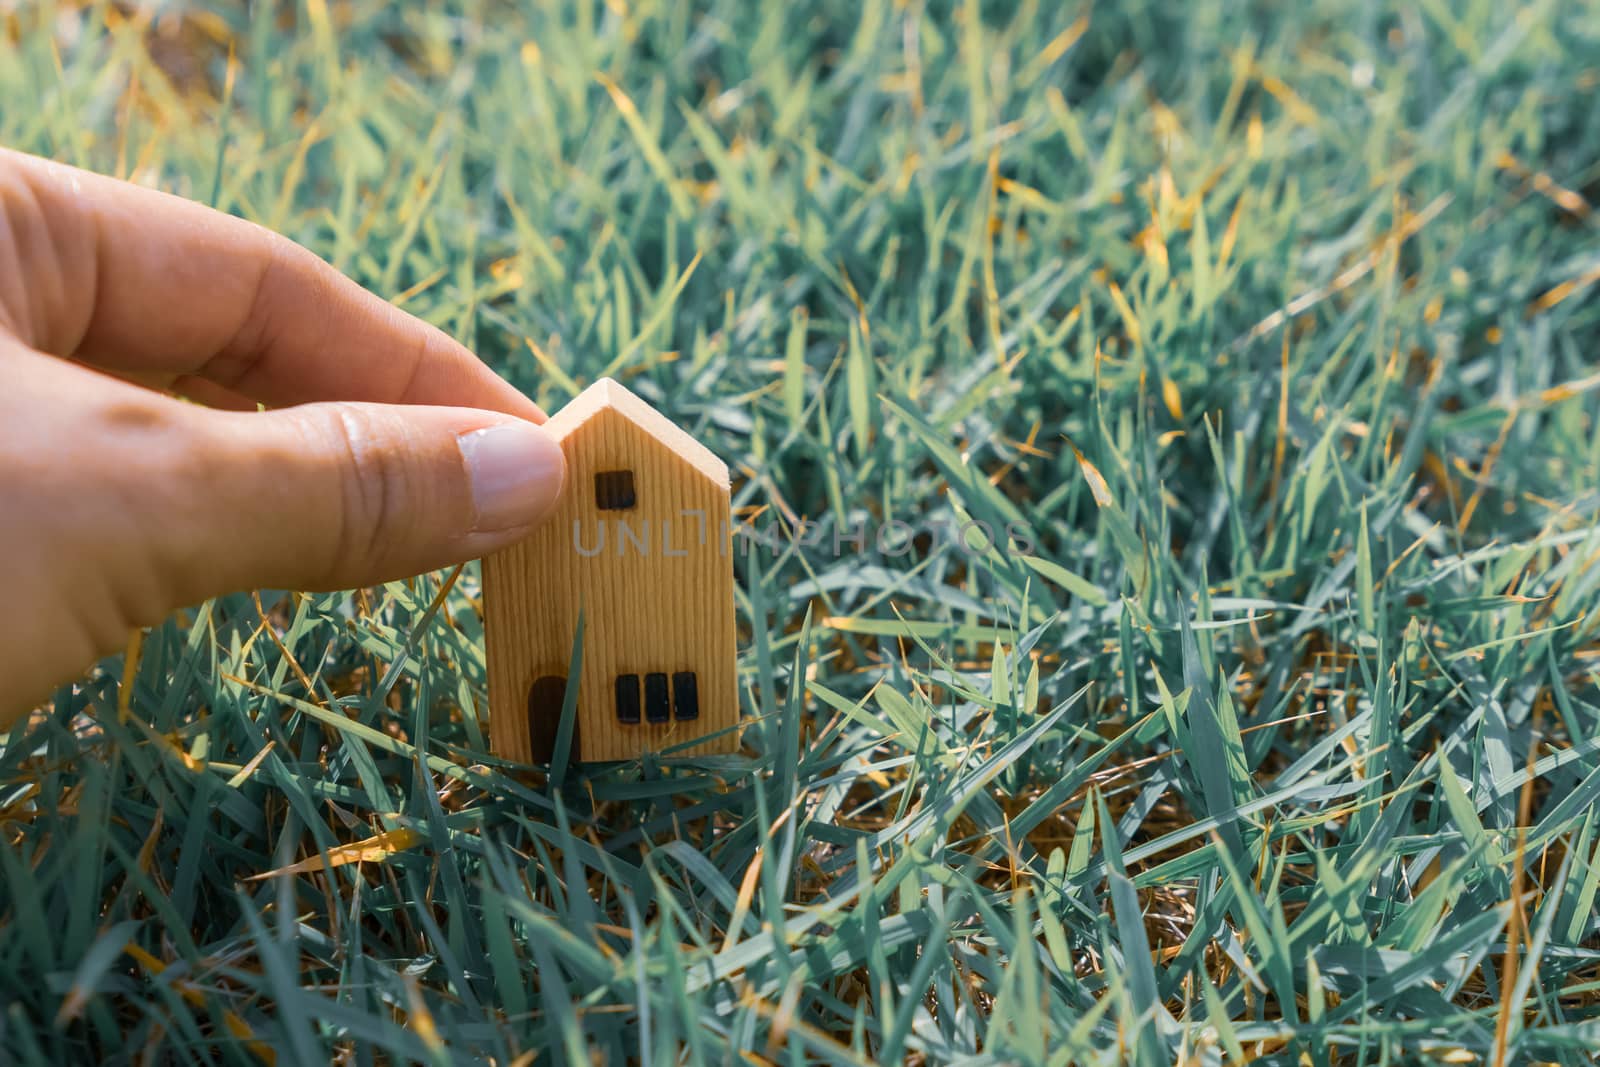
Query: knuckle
{"points": [[47, 258], [374, 483], [237, 360], [290, 288]]}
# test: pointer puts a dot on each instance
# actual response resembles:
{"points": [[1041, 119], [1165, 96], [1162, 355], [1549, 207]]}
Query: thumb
{"points": [[118, 504], [333, 496]]}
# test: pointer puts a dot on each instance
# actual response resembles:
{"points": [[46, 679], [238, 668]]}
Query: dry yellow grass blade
{"points": [[374, 849]]}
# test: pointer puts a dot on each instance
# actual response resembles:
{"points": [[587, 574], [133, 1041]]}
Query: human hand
{"points": [[392, 449]]}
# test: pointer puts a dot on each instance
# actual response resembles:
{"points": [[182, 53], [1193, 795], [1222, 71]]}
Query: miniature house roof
{"points": [[610, 395]]}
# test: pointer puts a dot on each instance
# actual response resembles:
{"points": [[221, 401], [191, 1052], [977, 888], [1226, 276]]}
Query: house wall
{"points": [[656, 597]]}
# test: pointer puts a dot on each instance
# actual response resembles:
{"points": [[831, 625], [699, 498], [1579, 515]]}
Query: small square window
{"points": [[613, 490]]}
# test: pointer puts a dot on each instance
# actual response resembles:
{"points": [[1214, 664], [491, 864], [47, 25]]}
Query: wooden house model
{"points": [[639, 546]]}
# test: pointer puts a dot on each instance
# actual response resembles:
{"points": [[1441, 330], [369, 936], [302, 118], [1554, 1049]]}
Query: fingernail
{"points": [[516, 472]]}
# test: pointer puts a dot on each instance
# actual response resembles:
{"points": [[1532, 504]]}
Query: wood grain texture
{"points": [[654, 583]]}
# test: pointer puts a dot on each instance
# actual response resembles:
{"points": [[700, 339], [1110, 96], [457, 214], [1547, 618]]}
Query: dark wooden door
{"points": [[544, 717]]}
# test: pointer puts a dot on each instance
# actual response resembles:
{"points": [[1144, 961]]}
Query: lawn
{"points": [[1228, 693]]}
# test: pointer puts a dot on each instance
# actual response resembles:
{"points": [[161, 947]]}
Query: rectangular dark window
{"points": [[613, 490], [627, 698], [685, 695], [657, 708]]}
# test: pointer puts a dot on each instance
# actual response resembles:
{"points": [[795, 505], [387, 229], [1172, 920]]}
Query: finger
{"points": [[136, 281], [118, 504], [338, 495]]}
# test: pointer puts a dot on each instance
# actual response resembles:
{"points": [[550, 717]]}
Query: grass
{"points": [[1271, 732]]}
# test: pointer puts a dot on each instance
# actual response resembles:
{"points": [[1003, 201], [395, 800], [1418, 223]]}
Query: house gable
{"points": [[607, 399]]}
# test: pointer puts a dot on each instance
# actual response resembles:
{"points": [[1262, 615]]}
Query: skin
{"points": [[120, 502]]}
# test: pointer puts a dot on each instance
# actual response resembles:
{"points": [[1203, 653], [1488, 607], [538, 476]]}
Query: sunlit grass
{"points": [[1271, 730]]}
